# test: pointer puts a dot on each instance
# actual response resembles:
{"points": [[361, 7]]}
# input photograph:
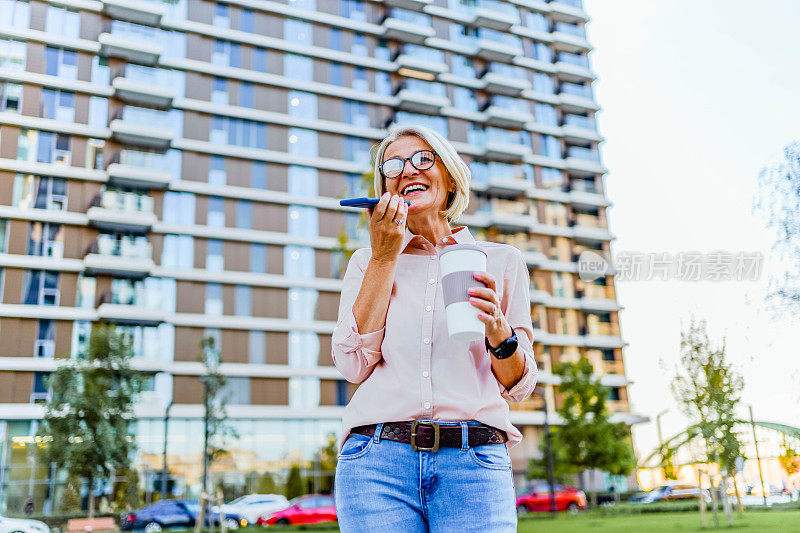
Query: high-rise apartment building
{"points": [[175, 168]]}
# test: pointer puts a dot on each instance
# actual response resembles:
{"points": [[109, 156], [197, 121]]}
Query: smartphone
{"points": [[362, 202]]}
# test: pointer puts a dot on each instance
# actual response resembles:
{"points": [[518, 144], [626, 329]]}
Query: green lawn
{"points": [[752, 521]]}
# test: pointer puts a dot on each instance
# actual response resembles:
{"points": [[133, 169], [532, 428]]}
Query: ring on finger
{"points": [[399, 222]]}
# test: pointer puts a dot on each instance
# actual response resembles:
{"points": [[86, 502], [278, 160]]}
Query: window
{"points": [[438, 124], [49, 193], [178, 252], [300, 68], [259, 59], [303, 221], [307, 5], [258, 175], [244, 214], [40, 287], [354, 10], [303, 181], [258, 258], [356, 185], [98, 112], [299, 262], [360, 82], [247, 21], [216, 212], [542, 52], [16, 13], [335, 76], [219, 91], [245, 94], [542, 83], [335, 39], [58, 105], [359, 47], [226, 54], [551, 147], [215, 260], [221, 17], [536, 21], [101, 73], [45, 340], [303, 142], [238, 132], [41, 390], [295, 31], [242, 300], [43, 147], [464, 99], [10, 97], [61, 63], [257, 347], [178, 208], [61, 21], [546, 115], [355, 113], [614, 394], [213, 299], [13, 54], [356, 150], [302, 105], [552, 178], [236, 390], [46, 240], [3, 238], [216, 170]]}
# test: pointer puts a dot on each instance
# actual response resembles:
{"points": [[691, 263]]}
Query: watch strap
{"points": [[505, 349]]}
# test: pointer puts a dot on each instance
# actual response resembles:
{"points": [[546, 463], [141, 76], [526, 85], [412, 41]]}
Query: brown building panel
{"points": [[191, 296], [324, 265], [331, 223], [67, 287], [16, 387], [200, 251], [17, 337], [277, 348], [237, 255], [228, 300], [238, 172], [270, 302], [270, 217], [18, 236], [6, 187], [194, 166], [80, 194], [325, 358], [331, 145], [327, 392], [187, 343], [8, 141], [12, 285], [91, 25], [277, 177], [332, 184], [327, 306], [269, 391], [198, 85], [196, 126], [235, 344], [63, 339], [187, 390], [275, 259]]}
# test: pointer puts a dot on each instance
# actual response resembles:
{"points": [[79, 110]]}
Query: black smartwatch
{"points": [[506, 348]]}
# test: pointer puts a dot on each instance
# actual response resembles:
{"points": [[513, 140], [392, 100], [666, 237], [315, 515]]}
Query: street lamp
{"points": [[658, 428], [164, 466]]}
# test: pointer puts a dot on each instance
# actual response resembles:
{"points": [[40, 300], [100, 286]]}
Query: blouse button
{"points": [[427, 405], [431, 281], [425, 374], [426, 340], [428, 308]]}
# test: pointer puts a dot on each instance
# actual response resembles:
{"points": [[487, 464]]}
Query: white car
{"points": [[19, 525], [254, 505]]}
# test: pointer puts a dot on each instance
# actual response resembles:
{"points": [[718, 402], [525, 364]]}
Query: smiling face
{"points": [[427, 190]]}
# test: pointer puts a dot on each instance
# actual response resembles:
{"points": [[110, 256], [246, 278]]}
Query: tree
{"points": [[87, 421], [789, 459], [563, 467], [266, 484], [588, 439], [294, 483], [778, 199], [326, 458], [70, 500], [127, 495]]}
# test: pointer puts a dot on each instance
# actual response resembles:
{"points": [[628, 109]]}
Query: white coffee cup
{"points": [[457, 264]]}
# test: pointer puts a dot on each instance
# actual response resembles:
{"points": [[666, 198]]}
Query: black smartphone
{"points": [[362, 202]]}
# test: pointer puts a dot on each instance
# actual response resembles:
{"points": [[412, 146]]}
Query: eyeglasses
{"points": [[421, 160]]}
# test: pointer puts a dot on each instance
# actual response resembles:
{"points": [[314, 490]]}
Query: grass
{"points": [[752, 521]]}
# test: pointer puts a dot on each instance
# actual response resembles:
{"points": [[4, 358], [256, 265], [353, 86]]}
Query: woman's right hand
{"points": [[386, 235]]}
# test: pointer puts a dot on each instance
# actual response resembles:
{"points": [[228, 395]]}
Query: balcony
{"points": [[406, 31], [506, 118], [116, 309], [567, 11], [498, 16], [495, 51], [133, 50], [120, 258], [570, 38], [507, 185], [505, 151], [122, 211], [510, 221], [417, 102], [498, 84], [420, 64], [584, 160], [136, 11], [137, 177], [127, 128], [411, 5], [138, 93]]}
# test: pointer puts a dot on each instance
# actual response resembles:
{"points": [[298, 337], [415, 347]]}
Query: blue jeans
{"points": [[383, 485]]}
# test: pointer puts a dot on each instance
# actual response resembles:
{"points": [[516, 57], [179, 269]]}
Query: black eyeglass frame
{"points": [[409, 159]]}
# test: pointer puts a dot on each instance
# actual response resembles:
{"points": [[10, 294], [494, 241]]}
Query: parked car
{"points": [[537, 499], [19, 525], [252, 506], [309, 509], [173, 513], [669, 492]]}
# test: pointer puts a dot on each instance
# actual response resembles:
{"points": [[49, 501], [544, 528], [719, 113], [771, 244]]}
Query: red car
{"points": [[537, 499], [309, 509]]}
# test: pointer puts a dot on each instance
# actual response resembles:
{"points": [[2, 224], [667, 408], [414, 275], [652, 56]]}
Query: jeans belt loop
{"points": [[414, 425], [377, 435], [464, 436]]}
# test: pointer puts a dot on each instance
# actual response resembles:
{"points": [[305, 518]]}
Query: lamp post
{"points": [[548, 447], [164, 465], [758, 459]]}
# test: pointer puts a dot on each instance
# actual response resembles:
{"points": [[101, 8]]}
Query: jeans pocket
{"points": [[493, 456], [355, 446]]}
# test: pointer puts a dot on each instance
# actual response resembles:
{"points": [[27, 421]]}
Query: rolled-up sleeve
{"points": [[354, 354], [516, 305]]}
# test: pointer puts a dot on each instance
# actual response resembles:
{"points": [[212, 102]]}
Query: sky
{"points": [[697, 97]]}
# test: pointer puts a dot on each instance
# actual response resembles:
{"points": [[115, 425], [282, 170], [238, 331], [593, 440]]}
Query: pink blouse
{"points": [[411, 369]]}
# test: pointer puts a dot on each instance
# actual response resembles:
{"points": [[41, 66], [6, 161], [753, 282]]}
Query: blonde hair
{"points": [[458, 170]]}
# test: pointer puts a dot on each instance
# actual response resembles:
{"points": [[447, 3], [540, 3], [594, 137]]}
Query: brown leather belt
{"points": [[430, 436]]}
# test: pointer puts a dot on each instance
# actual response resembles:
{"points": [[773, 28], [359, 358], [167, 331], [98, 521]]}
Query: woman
{"points": [[426, 435]]}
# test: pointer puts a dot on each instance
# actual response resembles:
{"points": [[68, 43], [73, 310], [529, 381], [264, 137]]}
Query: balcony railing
{"points": [[584, 154], [575, 89], [571, 29], [126, 202], [579, 121], [581, 185], [125, 247], [601, 328], [591, 221], [574, 59]]}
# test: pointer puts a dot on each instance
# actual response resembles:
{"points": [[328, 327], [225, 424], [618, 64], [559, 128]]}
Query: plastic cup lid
{"points": [[461, 247]]}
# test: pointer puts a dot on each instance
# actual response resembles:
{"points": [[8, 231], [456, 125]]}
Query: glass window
{"points": [[355, 113], [238, 132], [10, 97], [335, 39], [299, 262], [438, 124], [356, 150], [40, 287], [61, 63], [302, 105], [216, 212], [98, 112], [178, 208], [61, 21], [298, 67], [295, 31], [551, 147], [16, 13], [258, 258], [359, 47], [3, 238], [244, 214], [58, 105], [303, 221], [465, 99], [13, 54], [307, 5], [178, 252], [259, 60], [360, 82], [542, 52], [354, 10], [222, 18], [303, 181], [226, 54], [257, 347], [50, 193], [213, 299], [536, 21], [552, 178], [542, 83], [215, 260], [247, 20], [219, 91], [303, 142], [246, 94], [546, 115], [242, 299], [462, 66], [258, 175], [46, 240], [216, 170], [335, 76]]}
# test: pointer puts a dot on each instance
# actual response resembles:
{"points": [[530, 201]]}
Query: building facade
{"points": [[175, 168]]}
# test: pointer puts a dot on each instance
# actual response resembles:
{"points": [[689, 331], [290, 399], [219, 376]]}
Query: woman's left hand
{"points": [[487, 301]]}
